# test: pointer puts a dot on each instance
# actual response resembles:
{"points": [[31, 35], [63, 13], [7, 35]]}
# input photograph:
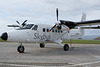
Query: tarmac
{"points": [[79, 55]]}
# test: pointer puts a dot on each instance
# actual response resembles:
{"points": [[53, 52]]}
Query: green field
{"points": [[83, 41], [2, 40], [76, 41]]}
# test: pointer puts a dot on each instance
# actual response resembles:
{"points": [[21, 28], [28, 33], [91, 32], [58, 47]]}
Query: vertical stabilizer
{"points": [[83, 17], [82, 20]]}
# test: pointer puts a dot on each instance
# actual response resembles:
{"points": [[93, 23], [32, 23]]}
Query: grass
{"points": [[2, 40], [83, 41]]}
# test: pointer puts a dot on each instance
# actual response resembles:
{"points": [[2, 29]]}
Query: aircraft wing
{"points": [[72, 24], [88, 23], [13, 25], [98, 27]]}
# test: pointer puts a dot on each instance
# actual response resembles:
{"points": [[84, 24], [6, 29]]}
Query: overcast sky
{"points": [[43, 11]]}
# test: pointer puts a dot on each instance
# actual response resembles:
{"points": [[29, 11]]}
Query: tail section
{"points": [[81, 30], [83, 17]]}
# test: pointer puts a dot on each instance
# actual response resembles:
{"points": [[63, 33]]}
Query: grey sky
{"points": [[43, 11]]}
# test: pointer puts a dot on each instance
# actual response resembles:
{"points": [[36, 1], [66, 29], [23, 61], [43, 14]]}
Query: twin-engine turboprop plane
{"points": [[42, 33]]}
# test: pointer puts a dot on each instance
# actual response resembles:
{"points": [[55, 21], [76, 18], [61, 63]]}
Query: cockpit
{"points": [[29, 26]]}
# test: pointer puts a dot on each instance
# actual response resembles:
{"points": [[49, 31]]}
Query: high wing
{"points": [[19, 25], [88, 23], [13, 25], [98, 27], [71, 24]]}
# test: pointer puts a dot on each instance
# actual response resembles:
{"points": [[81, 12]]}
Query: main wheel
{"points": [[42, 45], [20, 49], [66, 47]]}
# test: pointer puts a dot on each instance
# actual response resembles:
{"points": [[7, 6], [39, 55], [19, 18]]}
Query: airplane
{"points": [[42, 33]]}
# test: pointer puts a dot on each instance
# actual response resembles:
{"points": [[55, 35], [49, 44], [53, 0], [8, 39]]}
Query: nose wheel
{"points": [[21, 49], [42, 45]]}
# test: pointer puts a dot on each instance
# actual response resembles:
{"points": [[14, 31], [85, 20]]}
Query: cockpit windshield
{"points": [[28, 26]]}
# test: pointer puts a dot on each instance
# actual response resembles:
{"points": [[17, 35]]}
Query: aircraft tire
{"points": [[20, 49], [66, 47], [42, 45]]}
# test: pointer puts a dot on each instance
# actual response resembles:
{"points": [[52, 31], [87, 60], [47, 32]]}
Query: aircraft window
{"points": [[35, 27], [52, 30], [43, 29], [28, 26], [61, 31], [56, 30], [47, 30]]}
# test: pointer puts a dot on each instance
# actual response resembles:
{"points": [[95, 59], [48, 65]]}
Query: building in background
{"points": [[97, 38]]}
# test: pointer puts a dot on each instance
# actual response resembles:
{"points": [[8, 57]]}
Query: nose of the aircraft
{"points": [[4, 36]]}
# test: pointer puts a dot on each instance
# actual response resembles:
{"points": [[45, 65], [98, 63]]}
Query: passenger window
{"points": [[35, 27], [47, 30], [61, 31], [43, 29], [56, 30], [52, 30]]}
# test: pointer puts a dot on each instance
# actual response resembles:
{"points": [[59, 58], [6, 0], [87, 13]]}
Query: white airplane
{"points": [[42, 33]]}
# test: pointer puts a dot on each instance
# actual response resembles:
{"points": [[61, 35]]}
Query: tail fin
{"points": [[83, 17]]}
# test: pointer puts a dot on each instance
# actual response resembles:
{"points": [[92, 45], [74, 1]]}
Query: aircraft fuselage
{"points": [[42, 34]]}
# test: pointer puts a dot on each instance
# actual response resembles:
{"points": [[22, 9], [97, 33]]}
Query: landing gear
{"points": [[66, 47], [21, 48], [42, 45]]}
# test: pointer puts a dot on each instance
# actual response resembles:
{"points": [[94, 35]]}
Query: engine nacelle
{"points": [[59, 27], [62, 27]]}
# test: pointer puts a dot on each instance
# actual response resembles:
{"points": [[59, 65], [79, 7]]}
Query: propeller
{"points": [[69, 24], [57, 13], [18, 22], [57, 20], [52, 28], [23, 24]]}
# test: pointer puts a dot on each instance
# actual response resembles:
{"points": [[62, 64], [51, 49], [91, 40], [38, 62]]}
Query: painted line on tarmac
{"points": [[86, 63], [13, 64], [20, 65]]}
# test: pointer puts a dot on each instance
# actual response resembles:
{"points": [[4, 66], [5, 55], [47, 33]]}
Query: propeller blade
{"points": [[25, 21], [57, 13], [18, 22], [52, 28], [57, 19], [23, 24]]}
